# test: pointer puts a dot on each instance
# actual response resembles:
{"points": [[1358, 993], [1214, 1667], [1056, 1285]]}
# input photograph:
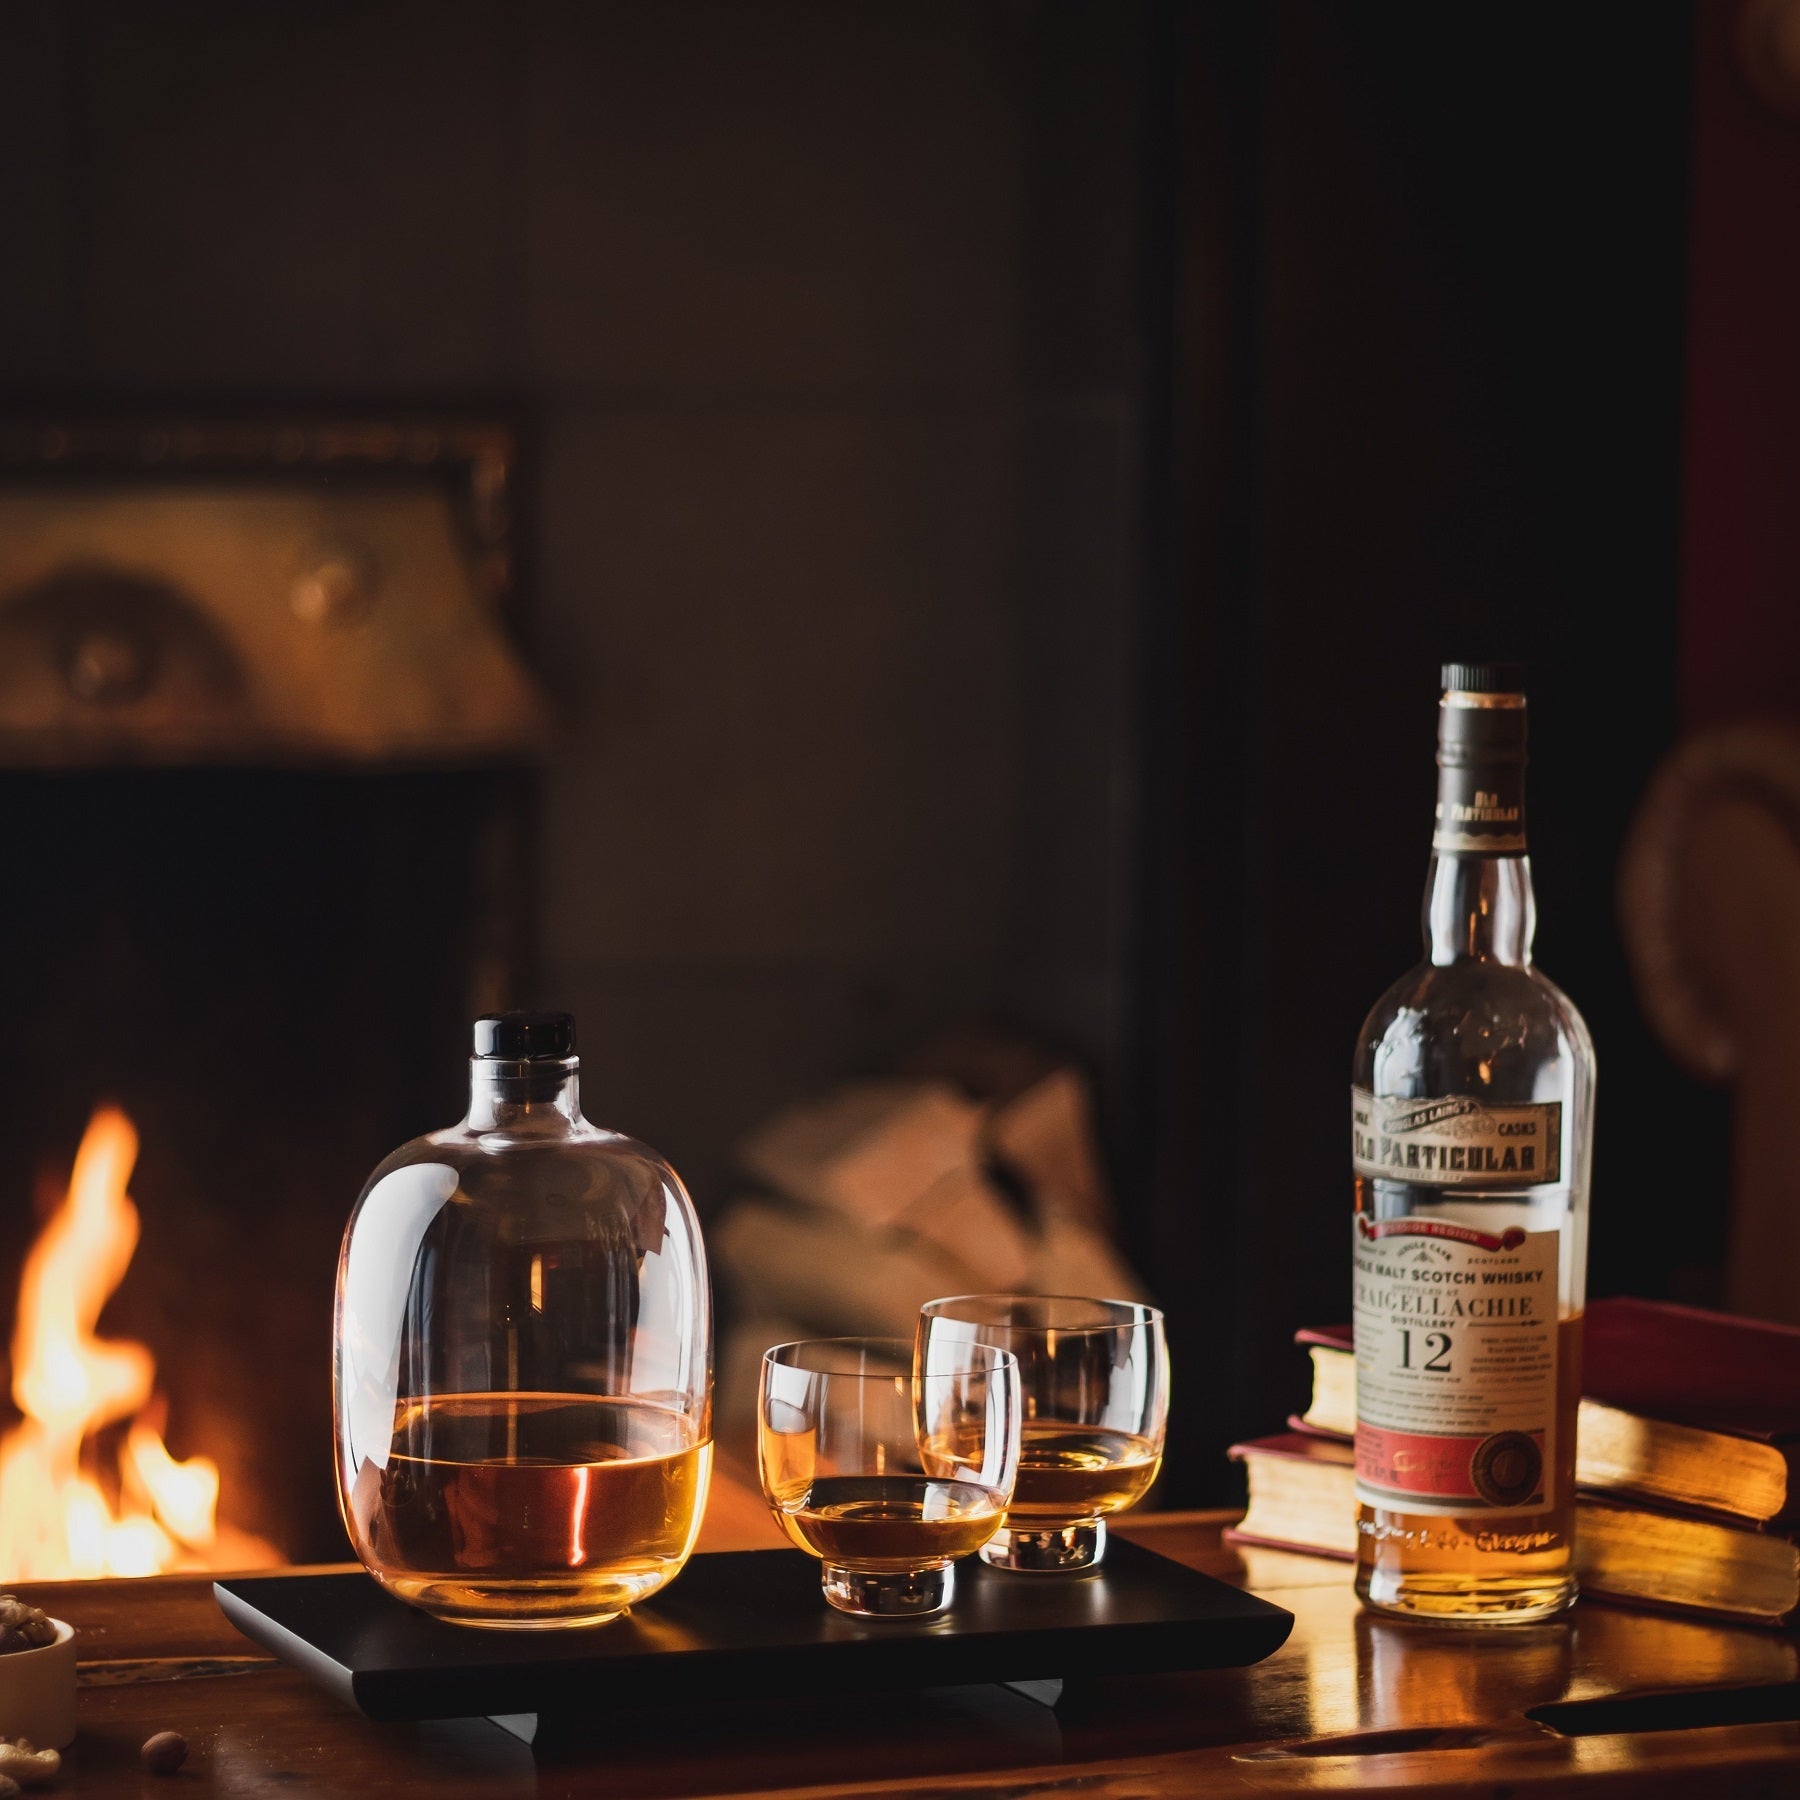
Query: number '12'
{"points": [[1437, 1352]]}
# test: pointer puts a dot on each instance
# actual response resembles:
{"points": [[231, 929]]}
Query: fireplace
{"points": [[266, 757]]}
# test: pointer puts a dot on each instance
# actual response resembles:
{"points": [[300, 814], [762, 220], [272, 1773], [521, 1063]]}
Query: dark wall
{"points": [[821, 324], [1740, 527], [1426, 330]]}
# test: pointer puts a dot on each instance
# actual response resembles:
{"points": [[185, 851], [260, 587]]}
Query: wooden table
{"points": [[1351, 1704]]}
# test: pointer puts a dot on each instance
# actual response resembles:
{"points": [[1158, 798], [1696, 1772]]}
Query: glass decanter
{"points": [[523, 1355]]}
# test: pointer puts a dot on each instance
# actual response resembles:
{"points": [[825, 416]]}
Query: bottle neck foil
{"points": [[1478, 898]]}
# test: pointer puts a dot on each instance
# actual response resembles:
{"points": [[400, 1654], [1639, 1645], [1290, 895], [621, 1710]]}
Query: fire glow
{"points": [[57, 1519]]}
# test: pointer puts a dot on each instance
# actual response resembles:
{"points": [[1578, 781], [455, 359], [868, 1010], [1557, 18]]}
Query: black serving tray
{"points": [[749, 1625]]}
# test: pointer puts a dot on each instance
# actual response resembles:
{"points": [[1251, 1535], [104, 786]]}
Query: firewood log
{"points": [[868, 1150]]}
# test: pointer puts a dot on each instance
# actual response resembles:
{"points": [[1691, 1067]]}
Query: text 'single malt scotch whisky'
{"points": [[1472, 1116]]}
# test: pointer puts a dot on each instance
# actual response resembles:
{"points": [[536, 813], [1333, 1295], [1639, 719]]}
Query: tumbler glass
{"points": [[840, 1425], [1095, 1378]]}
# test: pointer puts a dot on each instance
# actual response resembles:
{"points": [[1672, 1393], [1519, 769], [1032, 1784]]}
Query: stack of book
{"points": [[1687, 1461]]}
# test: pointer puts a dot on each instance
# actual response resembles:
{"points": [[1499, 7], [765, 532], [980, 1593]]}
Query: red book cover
{"points": [[1689, 1367], [1296, 1446], [1333, 1337]]}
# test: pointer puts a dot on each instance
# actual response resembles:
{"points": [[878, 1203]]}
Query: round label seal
{"points": [[1507, 1468]]}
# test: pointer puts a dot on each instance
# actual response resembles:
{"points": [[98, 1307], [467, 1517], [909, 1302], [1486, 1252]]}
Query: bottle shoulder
{"points": [[1569, 1016], [1470, 1024], [465, 1146], [582, 1166]]}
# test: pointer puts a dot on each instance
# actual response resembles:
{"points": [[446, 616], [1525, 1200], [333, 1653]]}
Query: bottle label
{"points": [[1456, 1347], [1456, 1142], [1480, 813]]}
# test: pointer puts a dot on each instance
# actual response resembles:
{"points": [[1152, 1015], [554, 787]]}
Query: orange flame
{"points": [[55, 1520]]}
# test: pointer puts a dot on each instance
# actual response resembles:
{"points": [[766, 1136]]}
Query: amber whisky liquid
{"points": [[1472, 1570], [531, 1510], [891, 1524], [1070, 1472]]}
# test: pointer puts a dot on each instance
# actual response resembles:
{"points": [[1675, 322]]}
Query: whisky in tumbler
{"points": [[1472, 1109], [888, 1524], [844, 1428], [1095, 1378], [1069, 1472]]}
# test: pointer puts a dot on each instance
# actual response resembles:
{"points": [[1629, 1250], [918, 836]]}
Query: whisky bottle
{"points": [[1472, 1110]]}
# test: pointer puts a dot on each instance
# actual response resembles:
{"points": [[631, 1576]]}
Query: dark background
{"points": [[1001, 478], [1425, 354]]}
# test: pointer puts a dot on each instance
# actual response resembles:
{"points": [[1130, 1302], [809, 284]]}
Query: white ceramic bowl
{"points": [[37, 1691]]}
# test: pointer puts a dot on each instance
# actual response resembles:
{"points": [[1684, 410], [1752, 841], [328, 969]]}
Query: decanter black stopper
{"points": [[525, 1036]]}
